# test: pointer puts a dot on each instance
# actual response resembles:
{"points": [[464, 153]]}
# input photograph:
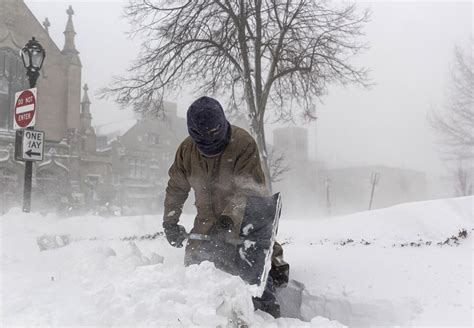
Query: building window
{"points": [[154, 169], [12, 79], [153, 139], [136, 168], [3, 86]]}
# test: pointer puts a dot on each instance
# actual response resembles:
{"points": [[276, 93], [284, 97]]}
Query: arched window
{"points": [[12, 79]]}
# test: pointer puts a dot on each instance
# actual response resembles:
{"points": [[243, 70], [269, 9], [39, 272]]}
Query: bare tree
{"points": [[463, 180], [455, 125], [261, 54], [277, 164]]}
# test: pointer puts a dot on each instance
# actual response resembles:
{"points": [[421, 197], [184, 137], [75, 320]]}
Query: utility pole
{"points": [[374, 181], [328, 196]]}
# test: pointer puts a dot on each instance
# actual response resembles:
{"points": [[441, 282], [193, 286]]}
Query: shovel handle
{"points": [[198, 236], [235, 242]]}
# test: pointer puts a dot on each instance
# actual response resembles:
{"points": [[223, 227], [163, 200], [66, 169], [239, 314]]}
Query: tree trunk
{"points": [[258, 130], [266, 169]]}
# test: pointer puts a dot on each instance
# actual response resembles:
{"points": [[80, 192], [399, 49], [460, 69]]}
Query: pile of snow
{"points": [[386, 267], [369, 281], [433, 220], [109, 282]]}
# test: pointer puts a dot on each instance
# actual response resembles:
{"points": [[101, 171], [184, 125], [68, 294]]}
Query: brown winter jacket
{"points": [[220, 183]]}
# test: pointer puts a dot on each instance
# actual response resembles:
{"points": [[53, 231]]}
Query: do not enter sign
{"points": [[25, 108]]}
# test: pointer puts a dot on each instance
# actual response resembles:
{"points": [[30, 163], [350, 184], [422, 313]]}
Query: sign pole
{"points": [[29, 143], [28, 168], [27, 185]]}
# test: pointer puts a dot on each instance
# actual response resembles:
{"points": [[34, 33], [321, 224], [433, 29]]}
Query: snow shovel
{"points": [[248, 256]]}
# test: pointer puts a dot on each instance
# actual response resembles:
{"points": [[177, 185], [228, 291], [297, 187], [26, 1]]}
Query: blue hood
{"points": [[208, 126]]}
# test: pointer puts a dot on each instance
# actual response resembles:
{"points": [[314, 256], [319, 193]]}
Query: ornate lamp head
{"points": [[33, 55]]}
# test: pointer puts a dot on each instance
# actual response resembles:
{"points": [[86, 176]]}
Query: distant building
{"points": [[72, 168], [141, 157], [298, 184], [308, 186]]}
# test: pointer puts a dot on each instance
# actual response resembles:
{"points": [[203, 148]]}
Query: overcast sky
{"points": [[411, 51]]}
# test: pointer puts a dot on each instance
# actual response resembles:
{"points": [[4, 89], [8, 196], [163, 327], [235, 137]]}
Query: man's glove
{"points": [[175, 234]]}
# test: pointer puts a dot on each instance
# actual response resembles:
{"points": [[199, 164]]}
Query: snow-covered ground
{"points": [[375, 268]]}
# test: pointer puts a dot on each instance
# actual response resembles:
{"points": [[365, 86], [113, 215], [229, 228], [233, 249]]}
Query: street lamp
{"points": [[33, 55]]}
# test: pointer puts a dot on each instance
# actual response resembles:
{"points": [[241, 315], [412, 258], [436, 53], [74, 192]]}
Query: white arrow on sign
{"points": [[33, 145]]}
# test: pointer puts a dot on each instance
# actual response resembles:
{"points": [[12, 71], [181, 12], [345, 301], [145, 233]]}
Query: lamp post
{"points": [[32, 55]]}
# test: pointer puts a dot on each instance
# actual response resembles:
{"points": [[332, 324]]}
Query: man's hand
{"points": [[175, 234]]}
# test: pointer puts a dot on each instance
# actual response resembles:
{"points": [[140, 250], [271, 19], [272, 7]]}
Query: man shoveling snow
{"points": [[221, 163]]}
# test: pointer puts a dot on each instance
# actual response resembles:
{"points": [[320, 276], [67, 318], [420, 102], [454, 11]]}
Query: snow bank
{"points": [[362, 269], [433, 220], [108, 282], [371, 281]]}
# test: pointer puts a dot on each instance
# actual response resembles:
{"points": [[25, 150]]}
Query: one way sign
{"points": [[29, 145]]}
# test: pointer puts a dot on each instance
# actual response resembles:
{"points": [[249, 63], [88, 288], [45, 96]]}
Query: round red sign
{"points": [[25, 108]]}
